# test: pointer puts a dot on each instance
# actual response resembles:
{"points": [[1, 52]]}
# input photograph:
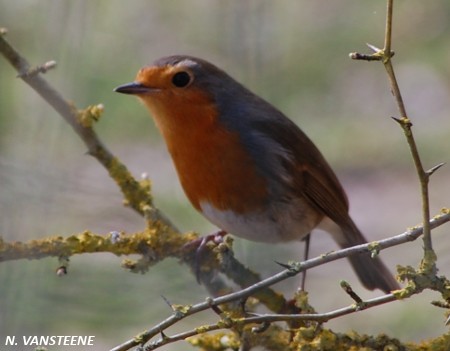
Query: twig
{"points": [[388, 29], [184, 335], [137, 197], [266, 319], [384, 55], [137, 194], [293, 270], [406, 125], [322, 317], [38, 69], [349, 290]]}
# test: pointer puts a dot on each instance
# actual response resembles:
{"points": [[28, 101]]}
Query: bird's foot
{"points": [[200, 245]]}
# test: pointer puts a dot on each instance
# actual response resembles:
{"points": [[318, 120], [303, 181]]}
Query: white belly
{"points": [[285, 222]]}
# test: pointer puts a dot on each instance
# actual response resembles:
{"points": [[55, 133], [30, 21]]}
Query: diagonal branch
{"points": [[292, 270], [271, 318], [137, 194], [137, 197]]}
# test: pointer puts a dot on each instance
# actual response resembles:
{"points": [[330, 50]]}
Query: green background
{"points": [[294, 54]]}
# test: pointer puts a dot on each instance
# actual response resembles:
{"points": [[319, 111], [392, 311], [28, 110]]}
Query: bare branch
{"points": [[322, 317], [407, 125], [384, 55]]}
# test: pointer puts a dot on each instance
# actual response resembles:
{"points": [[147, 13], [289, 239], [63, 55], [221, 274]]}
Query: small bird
{"points": [[243, 164]]}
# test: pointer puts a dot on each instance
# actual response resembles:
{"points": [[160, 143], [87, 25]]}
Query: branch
{"points": [[161, 239], [144, 243], [292, 270], [137, 196], [267, 319], [384, 55]]}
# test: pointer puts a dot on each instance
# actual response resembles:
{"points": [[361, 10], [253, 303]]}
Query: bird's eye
{"points": [[181, 79]]}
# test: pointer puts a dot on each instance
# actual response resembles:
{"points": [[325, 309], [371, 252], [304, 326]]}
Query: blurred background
{"points": [[294, 54]]}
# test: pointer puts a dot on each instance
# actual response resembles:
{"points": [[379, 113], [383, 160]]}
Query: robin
{"points": [[244, 165]]}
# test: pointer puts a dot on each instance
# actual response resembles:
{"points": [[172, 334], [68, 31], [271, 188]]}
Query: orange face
{"points": [[211, 161], [174, 108]]}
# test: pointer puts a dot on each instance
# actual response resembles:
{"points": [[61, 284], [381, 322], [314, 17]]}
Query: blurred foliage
{"points": [[293, 53]]}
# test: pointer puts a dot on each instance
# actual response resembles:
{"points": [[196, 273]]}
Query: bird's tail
{"points": [[372, 272]]}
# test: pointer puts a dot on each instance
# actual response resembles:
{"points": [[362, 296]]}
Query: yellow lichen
{"points": [[91, 114], [181, 309], [215, 342]]}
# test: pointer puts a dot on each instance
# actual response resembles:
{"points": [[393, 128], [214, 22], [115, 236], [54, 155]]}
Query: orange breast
{"points": [[211, 162]]}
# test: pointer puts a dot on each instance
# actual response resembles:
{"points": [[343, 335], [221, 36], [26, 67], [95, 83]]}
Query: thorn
{"points": [[404, 121], [293, 267], [253, 314], [378, 54], [284, 265], [435, 168], [447, 322], [398, 120], [163, 335], [373, 48], [167, 301]]}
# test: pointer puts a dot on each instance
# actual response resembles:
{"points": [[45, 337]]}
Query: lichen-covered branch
{"points": [[312, 338], [417, 281], [146, 243], [137, 197]]}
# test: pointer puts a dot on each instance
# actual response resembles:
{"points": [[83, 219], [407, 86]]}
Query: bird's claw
{"points": [[201, 243]]}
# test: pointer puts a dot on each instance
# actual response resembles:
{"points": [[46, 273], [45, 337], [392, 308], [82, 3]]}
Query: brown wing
{"points": [[315, 181], [311, 176]]}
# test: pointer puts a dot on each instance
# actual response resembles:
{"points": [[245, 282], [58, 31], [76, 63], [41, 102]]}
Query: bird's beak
{"points": [[133, 88]]}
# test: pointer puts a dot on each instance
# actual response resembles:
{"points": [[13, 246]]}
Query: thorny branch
{"points": [[292, 270], [270, 318], [384, 55]]}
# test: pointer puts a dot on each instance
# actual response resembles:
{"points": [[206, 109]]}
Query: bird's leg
{"points": [[200, 243], [307, 240]]}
